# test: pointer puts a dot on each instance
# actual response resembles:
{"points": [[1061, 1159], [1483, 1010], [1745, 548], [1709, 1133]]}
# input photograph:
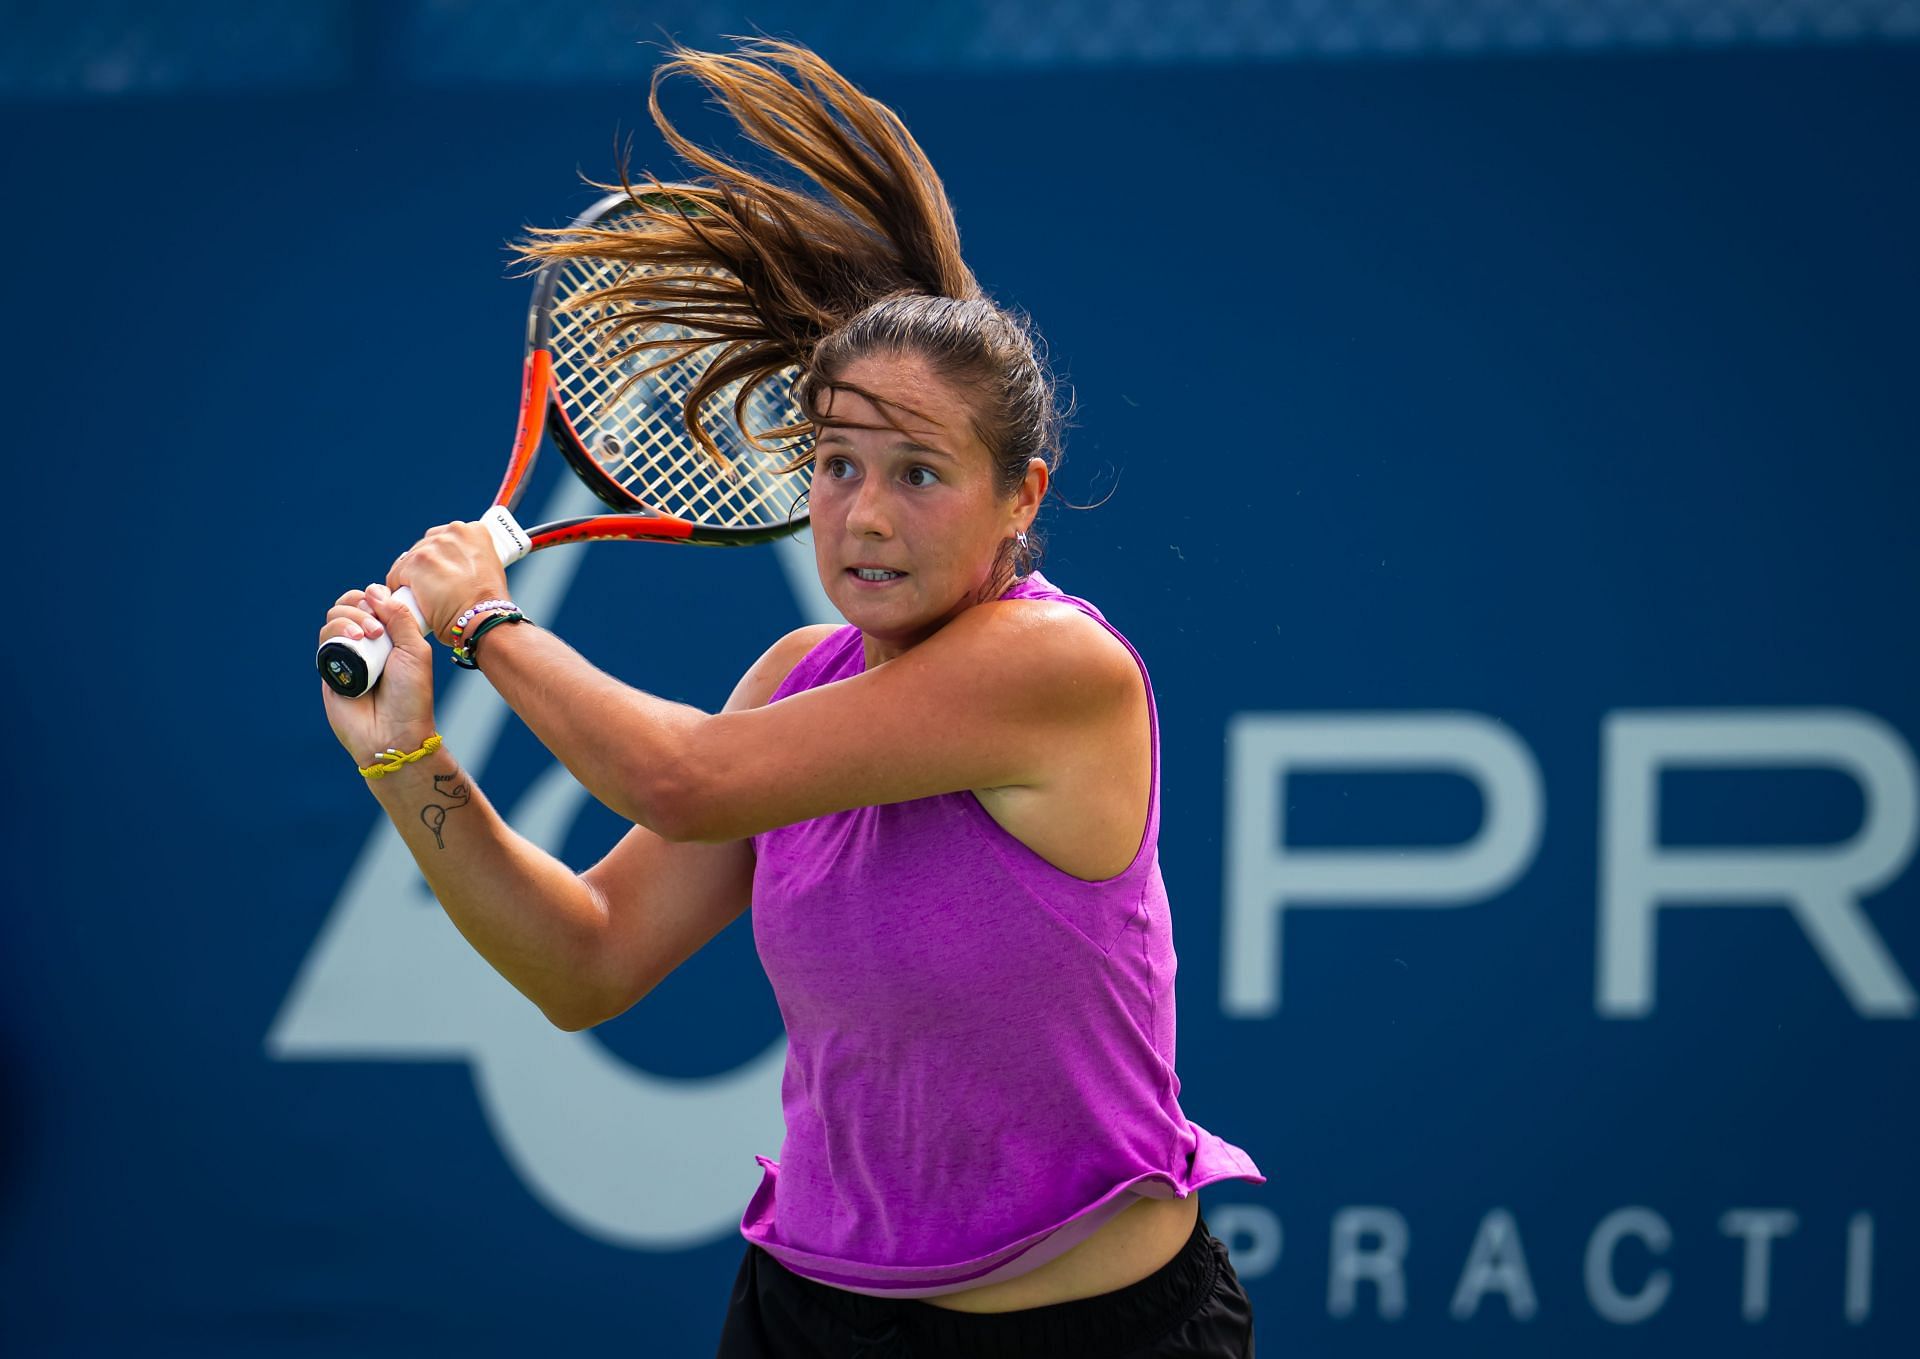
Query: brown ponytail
{"points": [[813, 282]]}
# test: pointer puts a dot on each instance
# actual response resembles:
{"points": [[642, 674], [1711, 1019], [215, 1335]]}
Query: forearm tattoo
{"points": [[435, 815]]}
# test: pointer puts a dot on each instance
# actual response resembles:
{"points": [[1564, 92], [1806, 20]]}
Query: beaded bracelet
{"points": [[392, 758], [460, 623], [463, 653]]}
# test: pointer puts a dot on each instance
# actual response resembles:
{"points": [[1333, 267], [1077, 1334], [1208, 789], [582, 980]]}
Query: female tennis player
{"points": [[943, 815]]}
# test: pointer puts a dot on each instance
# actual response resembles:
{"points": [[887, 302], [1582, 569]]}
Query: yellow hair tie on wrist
{"points": [[391, 759]]}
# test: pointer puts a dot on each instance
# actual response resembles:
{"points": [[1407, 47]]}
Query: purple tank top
{"points": [[980, 1045]]}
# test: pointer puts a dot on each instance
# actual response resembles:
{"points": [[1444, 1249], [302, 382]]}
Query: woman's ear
{"points": [[1031, 491]]}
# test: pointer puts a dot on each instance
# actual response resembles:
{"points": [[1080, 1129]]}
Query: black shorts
{"points": [[1192, 1307]]}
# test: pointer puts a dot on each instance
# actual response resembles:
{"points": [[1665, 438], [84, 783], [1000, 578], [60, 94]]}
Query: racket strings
{"points": [[633, 422]]}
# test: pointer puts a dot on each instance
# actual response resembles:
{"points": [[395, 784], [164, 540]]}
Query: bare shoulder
{"points": [[1013, 693], [1045, 644], [775, 664]]}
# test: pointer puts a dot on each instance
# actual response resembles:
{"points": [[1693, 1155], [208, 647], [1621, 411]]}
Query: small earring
{"points": [[1021, 539]]}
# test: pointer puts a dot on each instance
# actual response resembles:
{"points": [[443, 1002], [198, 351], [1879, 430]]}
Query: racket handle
{"points": [[351, 666]]}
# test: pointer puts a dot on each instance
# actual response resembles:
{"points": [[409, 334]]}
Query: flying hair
{"points": [[797, 266]]}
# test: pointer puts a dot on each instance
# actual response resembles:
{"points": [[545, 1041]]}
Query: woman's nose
{"points": [[867, 515]]}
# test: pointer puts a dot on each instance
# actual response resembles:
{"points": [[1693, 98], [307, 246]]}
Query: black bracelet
{"points": [[463, 654]]}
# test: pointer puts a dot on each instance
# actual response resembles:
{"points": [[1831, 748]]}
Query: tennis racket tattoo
{"points": [[626, 439]]}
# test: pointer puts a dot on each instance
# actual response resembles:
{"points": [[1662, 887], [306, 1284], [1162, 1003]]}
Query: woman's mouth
{"points": [[874, 575]]}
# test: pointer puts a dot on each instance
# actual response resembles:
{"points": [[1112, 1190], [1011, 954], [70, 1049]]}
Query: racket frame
{"points": [[352, 666], [540, 391]]}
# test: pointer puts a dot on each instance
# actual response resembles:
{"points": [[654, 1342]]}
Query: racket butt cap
{"points": [[343, 668]]}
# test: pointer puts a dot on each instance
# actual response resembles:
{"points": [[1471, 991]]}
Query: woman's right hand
{"points": [[397, 712]]}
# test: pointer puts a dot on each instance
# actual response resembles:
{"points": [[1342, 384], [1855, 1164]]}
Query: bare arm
{"points": [[1008, 694], [582, 947], [523, 910], [662, 900]]}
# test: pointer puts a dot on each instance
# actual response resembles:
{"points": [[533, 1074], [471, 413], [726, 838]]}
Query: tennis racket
{"points": [[626, 439]]}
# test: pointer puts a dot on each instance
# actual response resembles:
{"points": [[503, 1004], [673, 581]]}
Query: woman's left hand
{"points": [[451, 569]]}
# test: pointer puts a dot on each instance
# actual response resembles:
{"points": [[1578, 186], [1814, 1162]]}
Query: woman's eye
{"points": [[838, 467], [929, 475]]}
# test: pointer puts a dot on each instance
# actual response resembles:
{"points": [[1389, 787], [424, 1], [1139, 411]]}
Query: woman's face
{"points": [[907, 525]]}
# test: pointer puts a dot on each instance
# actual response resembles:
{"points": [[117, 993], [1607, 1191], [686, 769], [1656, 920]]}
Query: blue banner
{"points": [[1507, 475]]}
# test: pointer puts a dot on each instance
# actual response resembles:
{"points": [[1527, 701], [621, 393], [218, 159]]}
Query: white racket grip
{"points": [[351, 666]]}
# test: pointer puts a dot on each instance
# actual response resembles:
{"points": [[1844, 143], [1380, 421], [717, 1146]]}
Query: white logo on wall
{"points": [[390, 979], [1820, 885]]}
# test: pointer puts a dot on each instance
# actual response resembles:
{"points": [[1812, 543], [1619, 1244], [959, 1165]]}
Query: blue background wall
{"points": [[1554, 379]]}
